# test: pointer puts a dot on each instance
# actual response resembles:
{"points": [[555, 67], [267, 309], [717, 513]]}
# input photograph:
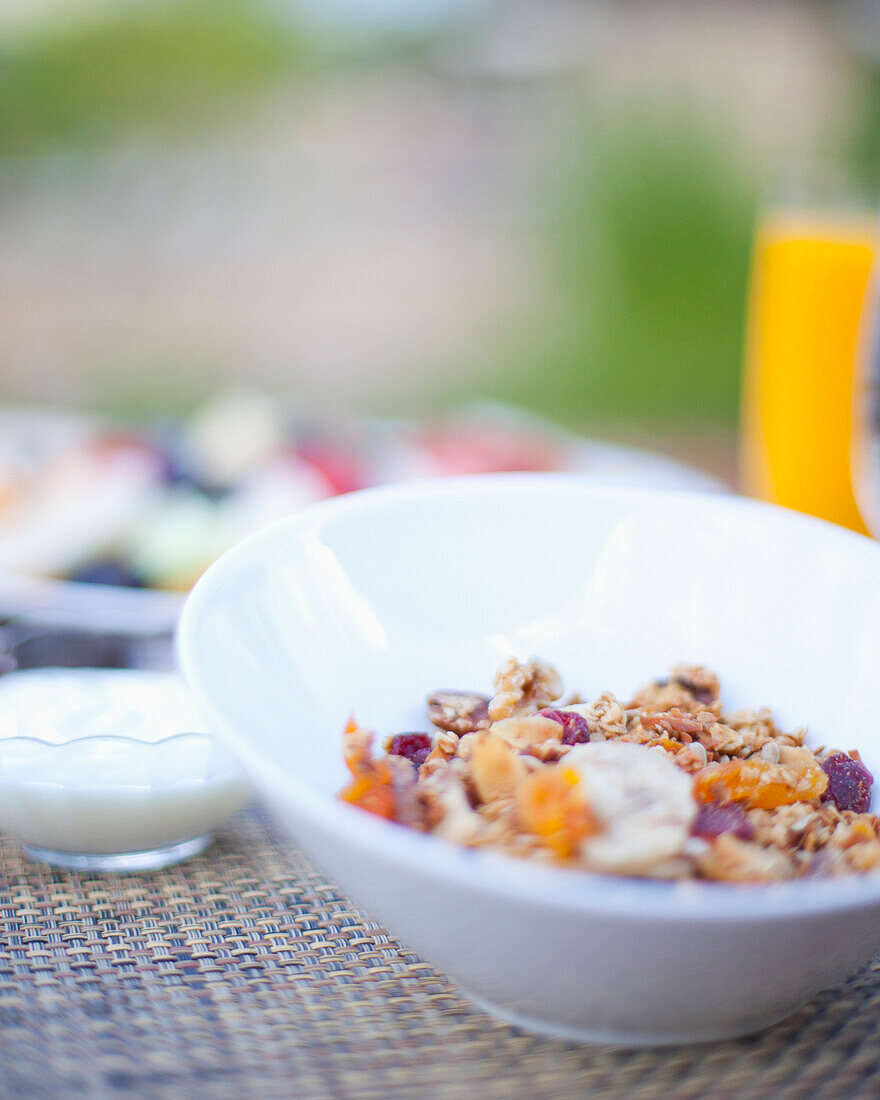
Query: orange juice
{"points": [[809, 282]]}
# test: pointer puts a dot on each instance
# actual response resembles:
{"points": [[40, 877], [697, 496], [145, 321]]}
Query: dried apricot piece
{"points": [[357, 747], [550, 803], [372, 790], [861, 828], [667, 744], [759, 784]]}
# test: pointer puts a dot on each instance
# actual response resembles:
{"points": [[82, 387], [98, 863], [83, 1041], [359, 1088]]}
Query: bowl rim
{"points": [[554, 888]]}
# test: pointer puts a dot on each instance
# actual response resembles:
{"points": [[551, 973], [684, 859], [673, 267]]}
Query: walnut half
{"points": [[459, 712], [523, 688]]}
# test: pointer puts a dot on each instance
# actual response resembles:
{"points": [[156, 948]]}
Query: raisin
{"points": [[849, 783], [575, 728], [414, 747], [713, 820], [703, 695]]}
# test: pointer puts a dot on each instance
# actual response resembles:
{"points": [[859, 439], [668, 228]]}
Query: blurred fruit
{"points": [[340, 465], [107, 571]]}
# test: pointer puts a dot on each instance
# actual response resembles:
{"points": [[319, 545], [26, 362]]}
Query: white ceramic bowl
{"points": [[367, 602]]}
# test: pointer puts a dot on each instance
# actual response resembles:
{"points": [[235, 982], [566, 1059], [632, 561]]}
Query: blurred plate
{"points": [[397, 451]]}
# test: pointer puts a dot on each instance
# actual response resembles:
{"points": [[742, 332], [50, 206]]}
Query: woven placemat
{"points": [[243, 973]]}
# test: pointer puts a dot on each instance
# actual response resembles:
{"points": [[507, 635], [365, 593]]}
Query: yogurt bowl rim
{"points": [[142, 748], [113, 737]]}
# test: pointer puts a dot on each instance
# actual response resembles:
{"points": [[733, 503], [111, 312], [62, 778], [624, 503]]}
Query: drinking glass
{"points": [[806, 418]]}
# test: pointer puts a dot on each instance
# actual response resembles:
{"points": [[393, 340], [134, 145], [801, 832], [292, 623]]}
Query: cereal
{"points": [[523, 688], [668, 785]]}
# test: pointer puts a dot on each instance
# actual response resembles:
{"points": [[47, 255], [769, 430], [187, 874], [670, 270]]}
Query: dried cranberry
{"points": [[575, 728], [849, 783], [414, 747], [714, 819]]}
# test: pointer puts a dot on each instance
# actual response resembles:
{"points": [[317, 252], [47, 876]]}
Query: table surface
{"points": [[243, 973]]}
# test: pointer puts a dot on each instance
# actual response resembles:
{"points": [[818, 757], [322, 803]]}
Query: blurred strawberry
{"points": [[341, 466], [472, 449]]}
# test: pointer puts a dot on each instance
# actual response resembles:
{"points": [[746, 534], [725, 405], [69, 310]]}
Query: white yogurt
{"points": [[108, 761]]}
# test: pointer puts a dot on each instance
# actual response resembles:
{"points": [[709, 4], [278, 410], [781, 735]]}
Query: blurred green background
{"points": [[396, 206]]}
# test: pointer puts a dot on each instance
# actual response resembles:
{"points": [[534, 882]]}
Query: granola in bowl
{"points": [[666, 785]]}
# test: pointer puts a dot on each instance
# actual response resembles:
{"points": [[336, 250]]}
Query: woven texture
{"points": [[242, 973]]}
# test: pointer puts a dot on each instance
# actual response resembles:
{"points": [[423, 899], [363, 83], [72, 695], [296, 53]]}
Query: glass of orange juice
{"points": [[803, 429]]}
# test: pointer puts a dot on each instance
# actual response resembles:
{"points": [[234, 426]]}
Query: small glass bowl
{"points": [[115, 803]]}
